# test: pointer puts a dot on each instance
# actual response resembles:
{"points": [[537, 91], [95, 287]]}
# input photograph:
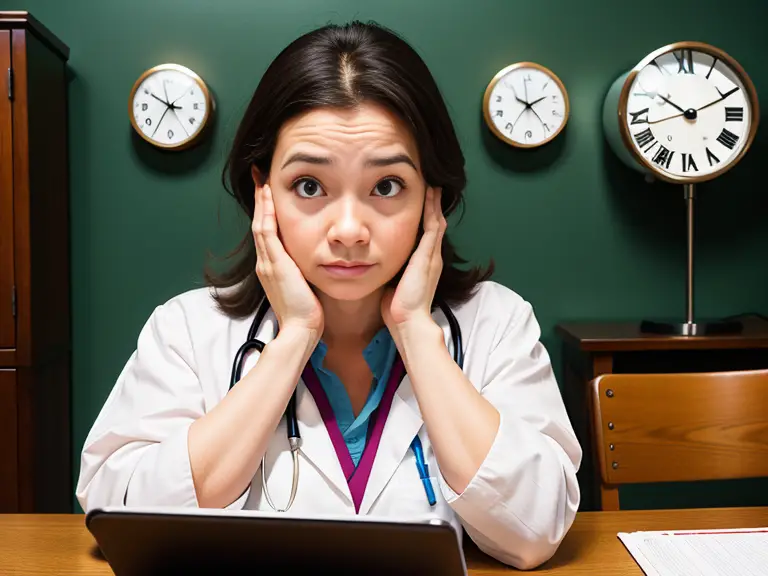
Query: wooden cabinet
{"points": [[592, 349], [35, 342]]}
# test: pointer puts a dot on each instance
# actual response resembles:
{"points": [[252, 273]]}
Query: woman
{"points": [[347, 163]]}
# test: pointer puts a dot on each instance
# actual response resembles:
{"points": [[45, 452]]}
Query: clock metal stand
{"points": [[690, 327]]}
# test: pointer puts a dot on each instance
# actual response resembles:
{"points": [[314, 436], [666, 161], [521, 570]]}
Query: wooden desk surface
{"points": [[626, 336], [60, 544]]}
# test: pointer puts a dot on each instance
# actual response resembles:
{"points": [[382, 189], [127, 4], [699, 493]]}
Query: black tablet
{"points": [[148, 541]]}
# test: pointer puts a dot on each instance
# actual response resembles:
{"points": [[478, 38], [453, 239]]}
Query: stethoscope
{"points": [[294, 438]]}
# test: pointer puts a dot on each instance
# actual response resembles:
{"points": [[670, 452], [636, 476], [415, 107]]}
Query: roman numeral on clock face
{"points": [[734, 114], [663, 157], [644, 137], [712, 157], [639, 117], [684, 60], [688, 163], [728, 139]]}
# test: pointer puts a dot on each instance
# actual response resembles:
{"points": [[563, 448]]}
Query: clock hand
{"points": [[664, 119], [172, 104], [518, 97], [537, 101], [537, 115], [159, 99], [668, 101], [525, 87], [166, 94], [180, 123], [722, 97], [160, 122], [182, 96], [518, 118]]}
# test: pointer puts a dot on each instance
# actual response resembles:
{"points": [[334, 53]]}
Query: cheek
{"points": [[296, 233], [399, 239]]}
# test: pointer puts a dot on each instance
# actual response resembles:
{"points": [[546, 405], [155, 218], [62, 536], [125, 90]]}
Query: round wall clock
{"points": [[687, 112], [526, 105], [170, 107]]}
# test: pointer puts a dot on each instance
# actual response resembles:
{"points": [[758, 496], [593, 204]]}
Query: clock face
{"points": [[526, 105], [170, 106], [689, 112]]}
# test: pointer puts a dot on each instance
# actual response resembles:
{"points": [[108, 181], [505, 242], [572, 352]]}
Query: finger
{"points": [[429, 210], [432, 215], [257, 227], [442, 223], [422, 256], [273, 246], [436, 259]]}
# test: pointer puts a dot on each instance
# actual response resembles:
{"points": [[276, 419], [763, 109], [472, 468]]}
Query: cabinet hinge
{"points": [[13, 301], [10, 84]]}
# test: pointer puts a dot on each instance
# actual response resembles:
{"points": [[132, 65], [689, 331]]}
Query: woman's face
{"points": [[349, 195]]}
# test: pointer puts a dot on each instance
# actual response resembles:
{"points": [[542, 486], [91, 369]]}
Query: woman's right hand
{"points": [[289, 294]]}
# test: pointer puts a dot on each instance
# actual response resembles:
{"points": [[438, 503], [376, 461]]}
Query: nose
{"points": [[348, 225]]}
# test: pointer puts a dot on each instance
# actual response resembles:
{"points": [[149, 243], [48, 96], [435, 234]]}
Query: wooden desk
{"points": [[592, 349], [60, 544]]}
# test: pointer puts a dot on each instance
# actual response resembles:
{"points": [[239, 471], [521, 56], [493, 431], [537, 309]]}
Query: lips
{"points": [[347, 263], [346, 269]]}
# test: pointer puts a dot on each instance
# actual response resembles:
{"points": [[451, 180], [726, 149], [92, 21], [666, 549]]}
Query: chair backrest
{"points": [[679, 427]]}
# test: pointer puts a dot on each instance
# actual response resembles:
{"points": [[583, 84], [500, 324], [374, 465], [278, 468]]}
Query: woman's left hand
{"points": [[411, 302]]}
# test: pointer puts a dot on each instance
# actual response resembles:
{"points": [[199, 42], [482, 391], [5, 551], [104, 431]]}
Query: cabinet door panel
{"points": [[9, 490], [7, 320]]}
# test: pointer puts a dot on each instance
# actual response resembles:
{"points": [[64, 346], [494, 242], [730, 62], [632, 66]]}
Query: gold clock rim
{"points": [[749, 86], [209, 106], [495, 80]]}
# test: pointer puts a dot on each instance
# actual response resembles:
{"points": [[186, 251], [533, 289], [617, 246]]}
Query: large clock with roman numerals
{"points": [[688, 112]]}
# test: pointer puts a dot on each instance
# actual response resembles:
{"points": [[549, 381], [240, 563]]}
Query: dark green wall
{"points": [[572, 230]]}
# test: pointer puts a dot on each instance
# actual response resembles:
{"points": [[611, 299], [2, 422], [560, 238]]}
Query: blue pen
{"points": [[421, 464]]}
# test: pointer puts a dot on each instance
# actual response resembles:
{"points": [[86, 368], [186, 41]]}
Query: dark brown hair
{"points": [[342, 66]]}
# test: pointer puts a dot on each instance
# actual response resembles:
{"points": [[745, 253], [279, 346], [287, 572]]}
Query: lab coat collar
{"points": [[402, 425]]}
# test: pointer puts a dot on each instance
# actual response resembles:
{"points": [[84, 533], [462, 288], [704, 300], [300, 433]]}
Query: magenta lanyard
{"points": [[357, 478]]}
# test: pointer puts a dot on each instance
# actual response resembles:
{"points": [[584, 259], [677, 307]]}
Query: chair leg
{"points": [[609, 495]]}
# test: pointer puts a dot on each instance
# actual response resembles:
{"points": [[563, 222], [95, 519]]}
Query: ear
{"points": [[258, 179]]}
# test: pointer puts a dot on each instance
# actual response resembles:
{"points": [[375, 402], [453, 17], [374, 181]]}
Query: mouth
{"points": [[346, 269]]}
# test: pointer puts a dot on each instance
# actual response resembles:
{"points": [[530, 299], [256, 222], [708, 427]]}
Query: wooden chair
{"points": [[679, 427]]}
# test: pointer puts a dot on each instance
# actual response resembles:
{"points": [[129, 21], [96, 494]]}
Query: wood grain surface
{"points": [[60, 544]]}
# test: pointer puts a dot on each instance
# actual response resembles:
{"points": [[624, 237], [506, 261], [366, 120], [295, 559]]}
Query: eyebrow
{"points": [[372, 162], [390, 160], [307, 158]]}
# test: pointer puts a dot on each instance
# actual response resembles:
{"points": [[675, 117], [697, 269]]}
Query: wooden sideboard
{"points": [[35, 349], [592, 349]]}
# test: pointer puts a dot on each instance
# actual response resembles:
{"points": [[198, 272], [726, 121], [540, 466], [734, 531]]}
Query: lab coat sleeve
{"points": [[523, 498], [136, 452]]}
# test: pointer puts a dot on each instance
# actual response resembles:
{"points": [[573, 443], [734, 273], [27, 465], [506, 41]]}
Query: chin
{"points": [[347, 290]]}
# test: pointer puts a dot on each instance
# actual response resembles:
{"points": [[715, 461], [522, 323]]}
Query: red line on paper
{"points": [[765, 530]]}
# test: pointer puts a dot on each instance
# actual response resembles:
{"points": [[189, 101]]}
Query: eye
{"points": [[388, 188], [308, 188]]}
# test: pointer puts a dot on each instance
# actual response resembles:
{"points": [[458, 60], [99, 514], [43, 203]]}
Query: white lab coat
{"points": [[517, 508]]}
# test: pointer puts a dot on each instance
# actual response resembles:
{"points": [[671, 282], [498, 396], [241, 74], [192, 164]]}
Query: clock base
{"points": [[714, 328]]}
